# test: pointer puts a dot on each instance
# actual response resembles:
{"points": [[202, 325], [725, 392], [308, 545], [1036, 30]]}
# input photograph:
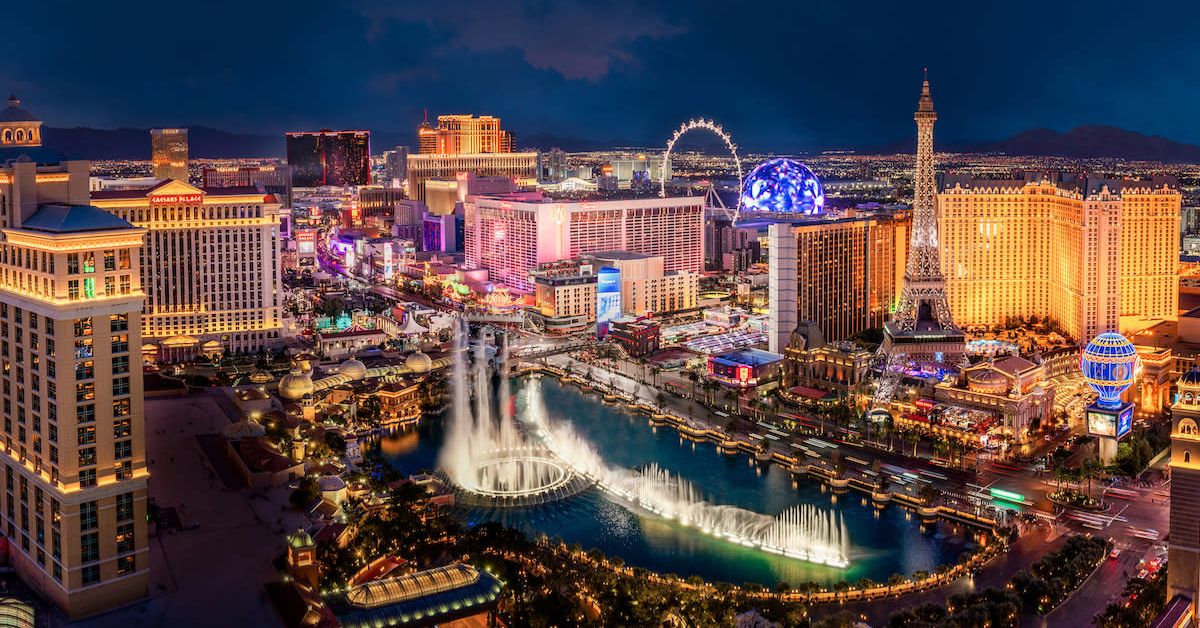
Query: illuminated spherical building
{"points": [[1109, 364], [783, 185]]}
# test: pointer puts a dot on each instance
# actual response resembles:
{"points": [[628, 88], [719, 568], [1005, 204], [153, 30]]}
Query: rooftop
{"points": [[749, 357], [14, 113], [55, 218]]}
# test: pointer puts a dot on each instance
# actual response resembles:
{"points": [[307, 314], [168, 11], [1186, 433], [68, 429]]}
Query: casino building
{"points": [[1090, 253], [210, 267], [510, 235], [73, 503]]}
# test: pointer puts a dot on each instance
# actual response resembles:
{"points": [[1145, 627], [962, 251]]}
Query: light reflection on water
{"points": [[883, 541]]}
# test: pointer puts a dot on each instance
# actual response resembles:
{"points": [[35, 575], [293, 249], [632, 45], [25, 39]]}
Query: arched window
{"points": [[1187, 456], [20, 135], [7, 137]]}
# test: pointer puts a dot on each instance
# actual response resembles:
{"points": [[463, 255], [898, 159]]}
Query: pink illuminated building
{"points": [[510, 235]]}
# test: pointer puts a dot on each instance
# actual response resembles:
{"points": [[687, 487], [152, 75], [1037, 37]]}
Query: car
{"points": [[1142, 574], [1114, 554], [1049, 438]]}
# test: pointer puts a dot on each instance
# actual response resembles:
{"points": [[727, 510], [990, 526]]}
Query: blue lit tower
{"points": [[1109, 364]]}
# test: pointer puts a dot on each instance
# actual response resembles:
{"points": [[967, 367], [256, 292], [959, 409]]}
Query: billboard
{"points": [[608, 298], [1112, 424]]}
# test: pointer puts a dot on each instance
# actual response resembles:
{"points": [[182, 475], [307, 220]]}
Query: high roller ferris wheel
{"points": [[712, 127]]}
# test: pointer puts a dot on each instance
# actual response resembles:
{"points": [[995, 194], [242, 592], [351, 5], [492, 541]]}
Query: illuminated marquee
{"points": [[175, 199]]}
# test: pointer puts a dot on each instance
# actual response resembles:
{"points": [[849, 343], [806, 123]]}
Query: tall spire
{"points": [[926, 102]]}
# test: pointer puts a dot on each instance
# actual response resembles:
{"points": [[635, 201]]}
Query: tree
{"points": [[306, 493]]}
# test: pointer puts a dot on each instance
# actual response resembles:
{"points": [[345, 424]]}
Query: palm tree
{"points": [[654, 371], [1089, 470]]}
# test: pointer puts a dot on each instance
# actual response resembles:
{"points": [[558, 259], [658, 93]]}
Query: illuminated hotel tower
{"points": [[922, 330], [1183, 549], [73, 454]]}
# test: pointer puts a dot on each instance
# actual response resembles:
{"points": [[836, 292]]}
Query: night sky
{"points": [[780, 75]]}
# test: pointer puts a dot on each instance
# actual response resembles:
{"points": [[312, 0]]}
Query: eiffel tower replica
{"points": [[921, 336]]}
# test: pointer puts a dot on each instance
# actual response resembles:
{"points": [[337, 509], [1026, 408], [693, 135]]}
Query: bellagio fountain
{"points": [[495, 459]]}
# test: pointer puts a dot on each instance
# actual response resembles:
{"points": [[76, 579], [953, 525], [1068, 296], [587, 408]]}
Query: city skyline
{"points": [[787, 83]]}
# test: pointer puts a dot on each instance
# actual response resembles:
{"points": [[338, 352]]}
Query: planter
{"points": [[881, 498], [839, 482], [928, 512]]}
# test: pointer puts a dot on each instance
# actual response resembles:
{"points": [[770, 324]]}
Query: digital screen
{"points": [[608, 298], [1111, 425], [1101, 424], [1125, 422]]}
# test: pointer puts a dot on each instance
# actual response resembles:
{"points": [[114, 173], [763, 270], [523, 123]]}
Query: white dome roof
{"points": [[295, 385], [418, 362], [353, 368]]}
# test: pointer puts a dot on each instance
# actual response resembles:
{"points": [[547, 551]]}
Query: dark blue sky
{"points": [[780, 75]]}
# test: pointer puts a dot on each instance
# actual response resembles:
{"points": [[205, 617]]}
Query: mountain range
{"points": [[1084, 142]]}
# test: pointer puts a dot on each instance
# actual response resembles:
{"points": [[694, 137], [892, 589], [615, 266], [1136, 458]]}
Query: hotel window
{"points": [[73, 289], [88, 516], [85, 391], [83, 326], [110, 260], [122, 450], [89, 262], [72, 263], [87, 434], [118, 322], [125, 507], [85, 413], [125, 538], [87, 478], [126, 565], [87, 458], [120, 386]]}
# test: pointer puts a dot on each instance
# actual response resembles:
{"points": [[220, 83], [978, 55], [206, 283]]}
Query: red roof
{"points": [[810, 393]]}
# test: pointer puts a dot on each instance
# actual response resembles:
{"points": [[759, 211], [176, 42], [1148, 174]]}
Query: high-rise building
{"points": [[510, 235], [395, 167], [274, 179], [521, 167], [73, 457], [730, 247], [554, 166], [844, 275], [565, 295], [646, 288], [1091, 254], [443, 196], [169, 153], [210, 267], [1183, 545], [325, 157], [923, 331], [464, 135]]}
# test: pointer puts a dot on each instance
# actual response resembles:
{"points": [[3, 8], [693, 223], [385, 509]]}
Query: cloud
{"points": [[576, 39]]}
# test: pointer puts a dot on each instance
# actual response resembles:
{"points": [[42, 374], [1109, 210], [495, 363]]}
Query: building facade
{"points": [[210, 267], [169, 153], [73, 457], [1090, 254], [1183, 546], [510, 235], [339, 158], [845, 275], [463, 135], [565, 295], [522, 167], [275, 179], [646, 288]]}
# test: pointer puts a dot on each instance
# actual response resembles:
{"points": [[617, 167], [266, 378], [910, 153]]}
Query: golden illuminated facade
{"points": [[169, 153], [464, 135], [1183, 546], [211, 267], [1091, 254], [74, 497], [845, 275]]}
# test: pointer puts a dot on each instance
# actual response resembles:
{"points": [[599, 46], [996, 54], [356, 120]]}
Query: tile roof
{"points": [[56, 218]]}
